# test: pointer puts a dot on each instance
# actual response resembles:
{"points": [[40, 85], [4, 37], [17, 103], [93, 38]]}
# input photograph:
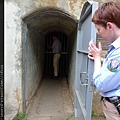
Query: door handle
{"points": [[82, 83]]}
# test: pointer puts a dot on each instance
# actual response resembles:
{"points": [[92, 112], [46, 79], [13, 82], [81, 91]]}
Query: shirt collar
{"points": [[116, 43]]}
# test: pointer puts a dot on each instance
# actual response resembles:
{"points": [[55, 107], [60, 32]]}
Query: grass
{"points": [[97, 115], [20, 116], [69, 117]]}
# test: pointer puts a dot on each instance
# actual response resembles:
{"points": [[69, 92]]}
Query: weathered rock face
{"points": [[40, 17]]}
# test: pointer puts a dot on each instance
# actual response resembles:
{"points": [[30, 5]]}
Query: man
{"points": [[56, 50], [106, 76]]}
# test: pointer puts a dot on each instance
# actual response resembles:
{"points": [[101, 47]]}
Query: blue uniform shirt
{"points": [[107, 78], [57, 46]]}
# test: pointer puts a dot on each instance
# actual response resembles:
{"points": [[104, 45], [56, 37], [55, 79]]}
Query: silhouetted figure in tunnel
{"points": [[56, 50]]}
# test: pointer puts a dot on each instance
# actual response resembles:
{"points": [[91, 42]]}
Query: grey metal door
{"points": [[84, 66]]}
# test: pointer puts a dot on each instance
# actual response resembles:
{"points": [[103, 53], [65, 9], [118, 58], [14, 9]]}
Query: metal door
{"points": [[84, 66]]}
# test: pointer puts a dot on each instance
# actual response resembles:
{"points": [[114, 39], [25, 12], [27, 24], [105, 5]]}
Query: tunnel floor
{"points": [[52, 101]]}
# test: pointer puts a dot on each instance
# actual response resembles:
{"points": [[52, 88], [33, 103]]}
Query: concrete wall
{"points": [[34, 63], [71, 59], [13, 60]]}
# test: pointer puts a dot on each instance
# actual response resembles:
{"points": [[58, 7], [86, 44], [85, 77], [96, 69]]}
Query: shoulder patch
{"points": [[113, 65]]}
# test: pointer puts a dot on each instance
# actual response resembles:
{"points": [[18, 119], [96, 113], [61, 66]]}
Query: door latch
{"points": [[83, 83]]}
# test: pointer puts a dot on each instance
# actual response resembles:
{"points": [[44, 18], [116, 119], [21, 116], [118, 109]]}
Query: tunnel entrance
{"points": [[38, 28], [49, 55]]}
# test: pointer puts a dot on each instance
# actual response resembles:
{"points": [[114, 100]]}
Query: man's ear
{"points": [[109, 25]]}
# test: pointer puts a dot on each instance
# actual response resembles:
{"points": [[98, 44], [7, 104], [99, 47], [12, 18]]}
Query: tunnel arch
{"points": [[50, 19]]}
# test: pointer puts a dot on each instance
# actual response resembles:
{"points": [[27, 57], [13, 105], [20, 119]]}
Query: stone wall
{"points": [[33, 63]]}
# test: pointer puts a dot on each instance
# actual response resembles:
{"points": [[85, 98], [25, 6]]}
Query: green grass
{"points": [[20, 116], [69, 117], [97, 115]]}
